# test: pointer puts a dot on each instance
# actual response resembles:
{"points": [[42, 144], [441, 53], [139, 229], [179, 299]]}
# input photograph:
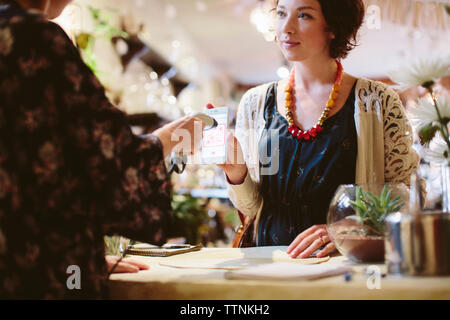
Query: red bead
{"points": [[318, 128], [299, 135], [291, 128], [293, 131], [306, 136], [339, 72], [312, 132]]}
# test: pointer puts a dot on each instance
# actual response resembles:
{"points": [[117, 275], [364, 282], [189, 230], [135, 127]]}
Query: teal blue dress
{"points": [[297, 194]]}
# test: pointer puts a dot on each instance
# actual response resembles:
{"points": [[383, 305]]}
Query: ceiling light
{"points": [[165, 81], [283, 72], [201, 6], [172, 99], [176, 44], [171, 11], [153, 75], [262, 20]]}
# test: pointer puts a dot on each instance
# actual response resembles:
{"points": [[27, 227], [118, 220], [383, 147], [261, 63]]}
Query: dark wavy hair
{"points": [[344, 18]]}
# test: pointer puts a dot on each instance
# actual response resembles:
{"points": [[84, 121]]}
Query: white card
{"points": [[214, 149]]}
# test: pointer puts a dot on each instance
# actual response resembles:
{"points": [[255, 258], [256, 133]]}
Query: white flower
{"points": [[425, 113], [6, 41], [420, 72], [438, 151]]}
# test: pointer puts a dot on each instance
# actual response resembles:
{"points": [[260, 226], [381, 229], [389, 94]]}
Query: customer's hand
{"points": [[127, 265], [184, 133], [311, 240], [234, 167]]}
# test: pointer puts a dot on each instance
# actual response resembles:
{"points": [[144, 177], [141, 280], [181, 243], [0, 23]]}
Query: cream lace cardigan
{"points": [[384, 140]]}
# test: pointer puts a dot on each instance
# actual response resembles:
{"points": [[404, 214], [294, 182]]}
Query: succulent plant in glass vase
{"points": [[356, 218], [372, 210]]}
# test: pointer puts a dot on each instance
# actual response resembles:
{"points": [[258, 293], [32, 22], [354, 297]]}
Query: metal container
{"points": [[418, 244]]}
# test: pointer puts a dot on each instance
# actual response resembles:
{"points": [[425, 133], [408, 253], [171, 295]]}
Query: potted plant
{"points": [[190, 219], [356, 218]]}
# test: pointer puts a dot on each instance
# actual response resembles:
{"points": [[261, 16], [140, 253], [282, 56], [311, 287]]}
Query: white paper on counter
{"points": [[288, 271], [236, 258]]}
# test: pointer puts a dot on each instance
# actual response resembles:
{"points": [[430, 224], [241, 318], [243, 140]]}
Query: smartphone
{"points": [[214, 146]]}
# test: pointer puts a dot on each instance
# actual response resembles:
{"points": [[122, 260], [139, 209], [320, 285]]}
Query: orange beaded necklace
{"points": [[290, 106]]}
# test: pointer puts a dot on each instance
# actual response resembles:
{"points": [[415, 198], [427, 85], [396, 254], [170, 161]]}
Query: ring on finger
{"points": [[323, 241]]}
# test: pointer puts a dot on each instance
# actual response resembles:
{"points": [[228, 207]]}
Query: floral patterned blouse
{"points": [[71, 171]]}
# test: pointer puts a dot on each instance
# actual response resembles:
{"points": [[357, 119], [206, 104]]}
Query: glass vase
{"points": [[355, 239]]}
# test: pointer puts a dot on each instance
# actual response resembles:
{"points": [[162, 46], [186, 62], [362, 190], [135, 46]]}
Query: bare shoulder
{"points": [[348, 81], [347, 84]]}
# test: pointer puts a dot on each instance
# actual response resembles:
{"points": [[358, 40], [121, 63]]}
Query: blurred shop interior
{"points": [[162, 59]]}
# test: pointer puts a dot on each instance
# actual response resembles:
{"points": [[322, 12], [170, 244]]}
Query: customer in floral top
{"points": [[71, 170]]}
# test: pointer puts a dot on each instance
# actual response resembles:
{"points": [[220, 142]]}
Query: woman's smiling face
{"points": [[301, 29]]}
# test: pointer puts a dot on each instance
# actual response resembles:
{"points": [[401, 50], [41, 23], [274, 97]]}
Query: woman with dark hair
{"points": [[302, 137], [71, 170]]}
